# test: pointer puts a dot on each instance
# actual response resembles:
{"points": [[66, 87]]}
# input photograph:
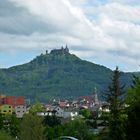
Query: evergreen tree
{"points": [[133, 101], [114, 96]]}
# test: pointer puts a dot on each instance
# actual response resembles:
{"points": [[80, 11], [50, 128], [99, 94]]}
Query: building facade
{"points": [[20, 110], [6, 109]]}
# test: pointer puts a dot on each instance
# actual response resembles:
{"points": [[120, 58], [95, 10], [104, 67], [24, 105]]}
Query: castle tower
{"points": [[46, 51], [66, 49], [62, 50]]}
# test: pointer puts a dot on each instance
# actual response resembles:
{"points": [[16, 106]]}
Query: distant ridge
{"points": [[58, 74]]}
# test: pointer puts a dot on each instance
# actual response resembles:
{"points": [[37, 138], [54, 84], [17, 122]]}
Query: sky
{"points": [[105, 32]]}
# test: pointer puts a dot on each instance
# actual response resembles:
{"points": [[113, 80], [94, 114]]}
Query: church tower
{"points": [[96, 101]]}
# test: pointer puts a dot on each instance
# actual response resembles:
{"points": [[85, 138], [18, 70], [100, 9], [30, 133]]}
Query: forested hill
{"points": [[56, 74]]}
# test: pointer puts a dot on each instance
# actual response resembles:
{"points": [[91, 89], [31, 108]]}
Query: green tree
{"points": [[38, 107], [53, 132], [31, 128], [76, 128], [12, 125], [133, 94], [52, 121], [1, 121], [86, 113], [53, 128], [115, 99], [79, 129], [133, 102], [5, 136]]}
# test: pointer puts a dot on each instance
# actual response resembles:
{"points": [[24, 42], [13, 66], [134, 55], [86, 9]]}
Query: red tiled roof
{"points": [[14, 100], [87, 98]]}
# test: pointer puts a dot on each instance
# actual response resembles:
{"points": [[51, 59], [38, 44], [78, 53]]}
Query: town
{"points": [[19, 106]]}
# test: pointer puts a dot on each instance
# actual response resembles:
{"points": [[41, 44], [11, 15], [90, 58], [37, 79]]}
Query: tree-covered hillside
{"points": [[56, 74]]}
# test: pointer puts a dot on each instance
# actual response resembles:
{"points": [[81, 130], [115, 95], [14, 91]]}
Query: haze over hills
{"points": [[58, 74]]}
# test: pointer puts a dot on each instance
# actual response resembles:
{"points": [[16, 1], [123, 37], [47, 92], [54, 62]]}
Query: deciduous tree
{"points": [[5, 136], [31, 128]]}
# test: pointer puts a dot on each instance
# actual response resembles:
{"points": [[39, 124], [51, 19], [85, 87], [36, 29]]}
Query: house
{"points": [[89, 101], [58, 111], [6, 109], [74, 104], [70, 114], [65, 113], [14, 100], [1, 99], [63, 104], [48, 107], [47, 113], [105, 107], [86, 101], [52, 110], [20, 110]]}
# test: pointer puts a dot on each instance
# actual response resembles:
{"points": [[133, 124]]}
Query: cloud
{"points": [[130, 2], [69, 19], [123, 29], [17, 20], [118, 11], [101, 30], [121, 23]]}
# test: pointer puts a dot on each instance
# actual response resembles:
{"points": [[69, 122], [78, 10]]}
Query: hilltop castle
{"points": [[60, 51]]}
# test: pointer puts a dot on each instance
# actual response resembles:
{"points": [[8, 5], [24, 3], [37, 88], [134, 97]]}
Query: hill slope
{"points": [[56, 74]]}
